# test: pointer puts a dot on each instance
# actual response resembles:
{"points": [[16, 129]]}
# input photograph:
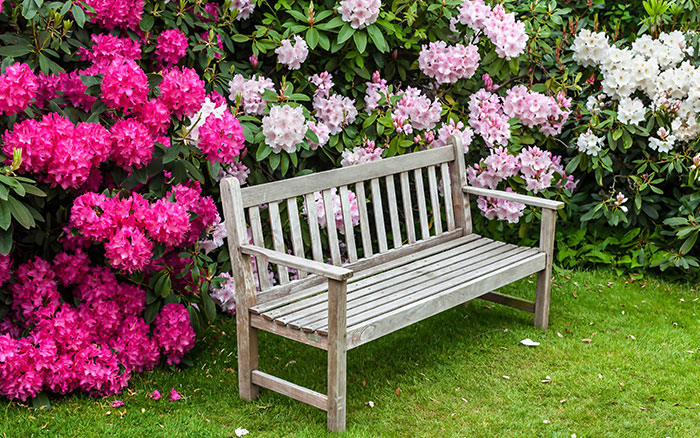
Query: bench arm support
{"points": [[516, 197], [323, 269]]}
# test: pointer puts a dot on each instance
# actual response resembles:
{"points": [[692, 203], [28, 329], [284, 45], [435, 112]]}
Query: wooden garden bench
{"points": [[412, 256]]}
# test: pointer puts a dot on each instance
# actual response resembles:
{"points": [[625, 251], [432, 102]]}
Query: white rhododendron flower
{"points": [[589, 143], [631, 111]]}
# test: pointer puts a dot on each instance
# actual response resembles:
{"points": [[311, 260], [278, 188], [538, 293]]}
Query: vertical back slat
{"points": [[422, 211], [393, 211], [278, 238], [447, 192], [378, 214], [259, 240], [295, 229], [330, 226], [364, 219], [435, 200], [407, 207], [347, 223], [458, 176], [314, 233]]}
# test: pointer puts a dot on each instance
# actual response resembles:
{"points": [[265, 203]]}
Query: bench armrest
{"points": [[323, 269], [509, 196]]}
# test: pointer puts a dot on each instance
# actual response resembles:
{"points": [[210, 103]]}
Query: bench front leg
{"points": [[544, 277], [337, 337]]}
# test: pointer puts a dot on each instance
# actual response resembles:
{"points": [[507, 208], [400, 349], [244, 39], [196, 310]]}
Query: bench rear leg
{"points": [[544, 277], [337, 354], [247, 355]]}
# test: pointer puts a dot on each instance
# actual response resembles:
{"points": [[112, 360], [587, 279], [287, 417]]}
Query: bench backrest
{"points": [[365, 210]]}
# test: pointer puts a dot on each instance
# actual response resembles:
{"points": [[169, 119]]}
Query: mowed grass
{"points": [[462, 373]]}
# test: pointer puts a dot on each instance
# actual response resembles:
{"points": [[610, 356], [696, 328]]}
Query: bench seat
{"points": [[390, 296]]}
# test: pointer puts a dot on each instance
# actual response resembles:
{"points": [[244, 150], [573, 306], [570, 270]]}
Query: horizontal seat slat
{"points": [[398, 279], [316, 182]]}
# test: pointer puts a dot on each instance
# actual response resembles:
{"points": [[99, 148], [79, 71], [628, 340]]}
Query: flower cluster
{"points": [[448, 64], [488, 119], [60, 152], [535, 166], [250, 92], [416, 111], [124, 14], [536, 109], [505, 32], [221, 138], [18, 86], [225, 295], [244, 8], [589, 144], [359, 13], [337, 210], [335, 112], [360, 155], [182, 91], [93, 346], [284, 128], [107, 48], [171, 46], [457, 128], [292, 56]]}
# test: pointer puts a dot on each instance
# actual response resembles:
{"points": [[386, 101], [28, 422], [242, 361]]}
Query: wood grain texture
{"points": [[312, 339], [407, 207], [259, 240], [364, 219], [290, 389], [337, 355], [378, 214], [290, 261], [347, 224], [393, 211], [516, 197], [295, 231], [458, 180], [278, 239], [544, 278], [507, 300]]}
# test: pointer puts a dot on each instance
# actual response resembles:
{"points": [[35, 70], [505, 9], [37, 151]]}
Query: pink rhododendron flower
{"points": [[129, 249], [174, 395], [458, 128], [173, 332], [337, 210], [448, 64], [237, 170], [250, 92], [376, 90], [132, 144], [487, 118], [244, 7], [416, 108], [171, 46], [536, 168], [505, 32], [292, 56], [125, 85], [360, 155], [190, 197], [155, 116], [155, 395], [18, 86], [125, 14], [284, 128], [167, 222], [501, 209], [221, 138], [359, 13], [117, 404], [35, 292], [107, 48], [323, 133], [536, 109], [182, 91], [225, 295], [5, 268]]}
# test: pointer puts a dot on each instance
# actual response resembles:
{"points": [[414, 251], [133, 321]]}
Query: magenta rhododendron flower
{"points": [[173, 332], [5, 268], [221, 138], [117, 404], [125, 14], [171, 46], [125, 85], [18, 86], [132, 144], [174, 395], [182, 91], [155, 395], [107, 48]]}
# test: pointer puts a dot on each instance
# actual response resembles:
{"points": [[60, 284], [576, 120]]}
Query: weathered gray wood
{"points": [[364, 219], [347, 224], [306, 313], [458, 179], [378, 215], [447, 194], [276, 191], [290, 261], [331, 228], [259, 240], [312, 339], [544, 278], [393, 211], [295, 230], [422, 210], [407, 207], [516, 197], [247, 337], [314, 232], [290, 389], [434, 200], [419, 310], [337, 336], [297, 290], [507, 300], [278, 239]]}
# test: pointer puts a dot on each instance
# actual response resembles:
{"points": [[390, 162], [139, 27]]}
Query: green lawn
{"points": [[462, 373]]}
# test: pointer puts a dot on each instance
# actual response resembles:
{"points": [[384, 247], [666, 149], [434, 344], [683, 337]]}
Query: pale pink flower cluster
{"points": [[487, 118], [458, 129], [60, 152], [292, 56], [322, 132], [225, 295], [416, 111], [448, 64], [366, 153], [18, 86], [244, 7], [93, 346], [536, 167], [334, 111], [619, 201], [171, 46], [125, 14], [337, 210], [214, 238], [506, 33], [376, 90], [250, 92], [284, 128], [536, 109], [359, 13], [237, 170]]}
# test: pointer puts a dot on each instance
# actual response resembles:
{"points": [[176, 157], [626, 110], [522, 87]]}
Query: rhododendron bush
{"points": [[119, 118]]}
